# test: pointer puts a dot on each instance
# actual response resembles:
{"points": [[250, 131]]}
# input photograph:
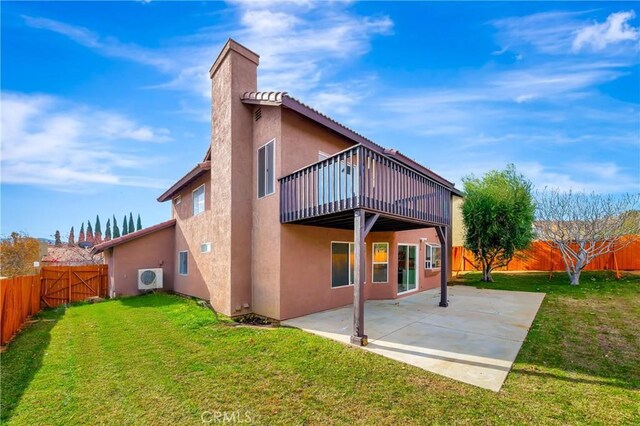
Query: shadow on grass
{"points": [[606, 381], [23, 358]]}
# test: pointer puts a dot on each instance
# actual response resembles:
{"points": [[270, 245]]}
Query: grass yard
{"points": [[162, 359]]}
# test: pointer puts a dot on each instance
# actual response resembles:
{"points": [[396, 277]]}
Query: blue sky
{"points": [[105, 105]]}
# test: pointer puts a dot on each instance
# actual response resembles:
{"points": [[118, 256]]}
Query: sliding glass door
{"points": [[407, 264]]}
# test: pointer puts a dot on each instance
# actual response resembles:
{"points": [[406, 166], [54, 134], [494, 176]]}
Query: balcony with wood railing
{"points": [[324, 192]]}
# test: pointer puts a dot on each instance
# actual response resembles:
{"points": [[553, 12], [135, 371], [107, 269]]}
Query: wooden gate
{"points": [[64, 284]]}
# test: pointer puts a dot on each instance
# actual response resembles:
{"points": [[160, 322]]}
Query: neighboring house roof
{"points": [[195, 173], [132, 236], [283, 99], [69, 255]]}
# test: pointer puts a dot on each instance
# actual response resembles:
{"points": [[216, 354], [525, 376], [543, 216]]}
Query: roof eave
{"points": [[99, 248], [195, 173]]}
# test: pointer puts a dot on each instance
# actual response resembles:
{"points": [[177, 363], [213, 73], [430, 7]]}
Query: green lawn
{"points": [[161, 359]]}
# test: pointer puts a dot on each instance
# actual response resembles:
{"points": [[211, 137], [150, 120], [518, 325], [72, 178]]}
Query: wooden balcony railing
{"points": [[362, 178]]}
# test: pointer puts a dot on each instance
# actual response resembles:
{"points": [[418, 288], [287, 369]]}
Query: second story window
{"points": [[266, 169], [198, 200]]}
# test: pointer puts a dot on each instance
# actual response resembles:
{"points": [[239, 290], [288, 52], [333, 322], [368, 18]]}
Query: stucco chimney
{"points": [[233, 73]]}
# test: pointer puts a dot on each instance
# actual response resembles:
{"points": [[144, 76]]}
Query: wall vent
{"points": [[258, 114]]}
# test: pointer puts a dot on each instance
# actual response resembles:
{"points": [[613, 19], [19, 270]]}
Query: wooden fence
{"points": [[21, 297], [65, 284], [543, 257]]}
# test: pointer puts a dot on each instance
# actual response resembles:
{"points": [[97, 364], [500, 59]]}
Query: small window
{"points": [[205, 247], [266, 170], [342, 264], [432, 256], [183, 263], [380, 262], [177, 200], [198, 200]]}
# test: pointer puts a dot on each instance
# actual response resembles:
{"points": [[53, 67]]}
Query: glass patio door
{"points": [[407, 267]]}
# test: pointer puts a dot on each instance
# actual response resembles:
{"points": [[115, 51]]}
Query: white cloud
{"points": [[296, 59], [581, 176], [559, 33], [295, 40], [49, 141], [615, 29], [547, 32], [107, 46], [525, 98]]}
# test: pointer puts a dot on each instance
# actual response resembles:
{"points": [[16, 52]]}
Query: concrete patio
{"points": [[475, 340]]}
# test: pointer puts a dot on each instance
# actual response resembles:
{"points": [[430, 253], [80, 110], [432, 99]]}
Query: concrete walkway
{"points": [[475, 340]]}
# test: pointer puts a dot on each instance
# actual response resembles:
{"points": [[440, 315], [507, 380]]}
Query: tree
{"points": [[139, 223], [72, 238], [90, 236], [125, 228], [584, 226], [58, 241], [81, 236], [98, 230], [107, 232], [131, 225], [17, 254], [498, 212], [116, 230]]}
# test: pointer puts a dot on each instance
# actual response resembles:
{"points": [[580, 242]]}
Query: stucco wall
{"points": [[155, 250], [265, 264], [190, 232], [303, 139], [306, 268], [457, 224]]}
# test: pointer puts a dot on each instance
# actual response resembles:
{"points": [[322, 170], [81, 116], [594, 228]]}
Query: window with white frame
{"points": [[205, 248], [183, 263], [432, 256], [380, 261], [342, 264], [266, 169], [198, 200]]}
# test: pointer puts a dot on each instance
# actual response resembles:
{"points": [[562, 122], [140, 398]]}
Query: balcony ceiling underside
{"points": [[344, 220]]}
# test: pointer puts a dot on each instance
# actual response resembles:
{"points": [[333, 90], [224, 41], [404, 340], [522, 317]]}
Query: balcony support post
{"points": [[444, 257], [361, 227]]}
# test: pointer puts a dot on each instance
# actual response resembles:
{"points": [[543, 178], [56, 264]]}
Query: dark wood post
{"points": [[358, 337], [361, 227], [444, 256]]}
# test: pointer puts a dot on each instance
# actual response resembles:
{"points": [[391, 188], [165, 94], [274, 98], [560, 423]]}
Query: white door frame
{"points": [[417, 246]]}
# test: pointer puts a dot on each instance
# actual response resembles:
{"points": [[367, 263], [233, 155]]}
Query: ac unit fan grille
{"points": [[148, 277]]}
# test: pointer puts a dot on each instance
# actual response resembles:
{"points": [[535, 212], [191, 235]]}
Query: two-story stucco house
{"points": [[291, 212]]}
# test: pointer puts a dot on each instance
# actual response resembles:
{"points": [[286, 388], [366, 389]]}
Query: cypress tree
{"points": [[72, 238], [131, 225], [81, 236], [98, 230], [58, 241], [90, 236], [116, 230], [107, 232], [139, 224], [125, 228]]}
